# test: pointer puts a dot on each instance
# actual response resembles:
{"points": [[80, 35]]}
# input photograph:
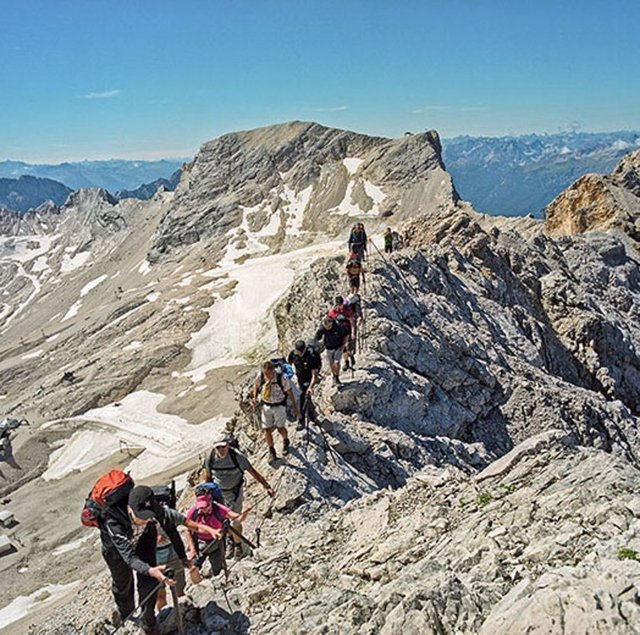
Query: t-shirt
{"points": [[225, 472], [172, 518], [274, 392], [333, 338], [210, 519], [305, 364]]}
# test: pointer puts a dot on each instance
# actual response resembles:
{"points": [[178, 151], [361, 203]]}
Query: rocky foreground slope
{"points": [[478, 472]]}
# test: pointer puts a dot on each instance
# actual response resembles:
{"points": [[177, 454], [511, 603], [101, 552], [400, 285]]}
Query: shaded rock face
{"points": [[600, 202], [297, 180], [29, 192]]}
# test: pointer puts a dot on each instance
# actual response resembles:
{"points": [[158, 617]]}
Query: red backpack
{"points": [[108, 491]]}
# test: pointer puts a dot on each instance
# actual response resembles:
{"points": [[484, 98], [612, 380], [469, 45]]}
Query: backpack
{"points": [[336, 311], [165, 494], [282, 368], [354, 264], [233, 447], [344, 324], [213, 491], [110, 490]]}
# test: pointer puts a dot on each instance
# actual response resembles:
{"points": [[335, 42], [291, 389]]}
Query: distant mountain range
{"points": [[29, 192], [514, 176], [113, 175], [147, 190]]}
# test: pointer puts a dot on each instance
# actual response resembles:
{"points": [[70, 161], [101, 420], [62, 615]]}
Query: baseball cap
{"points": [[143, 502], [300, 345], [221, 439], [202, 502]]}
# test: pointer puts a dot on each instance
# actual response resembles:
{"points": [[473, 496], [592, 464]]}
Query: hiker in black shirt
{"points": [[335, 339], [307, 363]]}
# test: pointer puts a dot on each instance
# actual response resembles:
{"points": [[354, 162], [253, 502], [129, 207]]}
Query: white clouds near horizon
{"points": [[105, 94]]}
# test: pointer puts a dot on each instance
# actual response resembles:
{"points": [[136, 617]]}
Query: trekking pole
{"points": [[142, 603], [176, 607]]}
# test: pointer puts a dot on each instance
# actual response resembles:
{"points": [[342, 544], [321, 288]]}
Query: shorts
{"points": [[354, 281], [333, 355], [215, 554], [169, 557], [273, 416], [233, 499]]}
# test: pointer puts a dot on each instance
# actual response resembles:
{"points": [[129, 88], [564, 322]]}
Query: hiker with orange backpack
{"points": [[128, 518]]}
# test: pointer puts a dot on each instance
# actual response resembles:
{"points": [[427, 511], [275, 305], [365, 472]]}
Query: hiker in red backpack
{"points": [[271, 389], [354, 270], [129, 520]]}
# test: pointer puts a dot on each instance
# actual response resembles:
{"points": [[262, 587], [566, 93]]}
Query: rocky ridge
{"points": [[480, 463]]}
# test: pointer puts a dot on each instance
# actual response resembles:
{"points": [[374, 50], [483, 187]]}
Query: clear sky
{"points": [[157, 78]]}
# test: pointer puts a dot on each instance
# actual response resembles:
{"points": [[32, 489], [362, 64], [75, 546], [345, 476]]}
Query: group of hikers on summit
{"points": [[138, 524]]}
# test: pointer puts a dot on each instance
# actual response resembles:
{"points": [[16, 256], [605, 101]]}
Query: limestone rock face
{"points": [[600, 202], [292, 182]]}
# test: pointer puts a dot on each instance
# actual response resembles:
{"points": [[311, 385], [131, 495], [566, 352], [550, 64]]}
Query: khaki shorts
{"points": [[233, 499], [333, 355], [273, 416]]}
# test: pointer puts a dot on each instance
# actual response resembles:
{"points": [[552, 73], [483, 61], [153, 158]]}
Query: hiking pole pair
{"points": [[310, 415]]}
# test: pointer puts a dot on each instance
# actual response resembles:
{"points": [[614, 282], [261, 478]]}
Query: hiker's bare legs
{"points": [[268, 437]]}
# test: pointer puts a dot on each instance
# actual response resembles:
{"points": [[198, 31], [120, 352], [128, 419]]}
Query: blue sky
{"points": [[149, 79]]}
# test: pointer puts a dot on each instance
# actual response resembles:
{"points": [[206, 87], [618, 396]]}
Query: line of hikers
{"points": [[138, 524]]}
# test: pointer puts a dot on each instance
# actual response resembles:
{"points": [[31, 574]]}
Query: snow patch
{"points": [[133, 346], [296, 205], [352, 164], [92, 285], [152, 297], [77, 261], [72, 312], [144, 267], [33, 355], [24, 604], [133, 423]]}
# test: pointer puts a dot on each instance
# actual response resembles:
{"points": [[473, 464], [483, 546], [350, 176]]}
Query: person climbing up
{"points": [[334, 338], [271, 390], [307, 363], [398, 241], [388, 241], [227, 465], [358, 241], [354, 269], [210, 515], [169, 546], [337, 308]]}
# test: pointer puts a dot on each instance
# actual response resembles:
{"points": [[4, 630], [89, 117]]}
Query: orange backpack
{"points": [[109, 490]]}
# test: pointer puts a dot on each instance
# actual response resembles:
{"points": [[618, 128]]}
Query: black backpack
{"points": [[166, 494]]}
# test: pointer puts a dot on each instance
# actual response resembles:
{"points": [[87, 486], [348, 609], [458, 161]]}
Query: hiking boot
{"points": [[285, 446], [336, 380], [238, 551], [272, 452], [300, 425], [116, 620], [346, 365], [229, 548]]}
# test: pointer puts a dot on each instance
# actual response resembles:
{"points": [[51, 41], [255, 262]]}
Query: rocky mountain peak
{"points": [[283, 186], [600, 202]]}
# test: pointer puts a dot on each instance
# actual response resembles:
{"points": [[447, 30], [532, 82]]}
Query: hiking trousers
{"points": [[122, 588]]}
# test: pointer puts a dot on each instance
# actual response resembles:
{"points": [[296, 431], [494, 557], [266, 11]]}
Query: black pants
{"points": [[122, 587], [304, 386], [214, 550], [388, 249]]}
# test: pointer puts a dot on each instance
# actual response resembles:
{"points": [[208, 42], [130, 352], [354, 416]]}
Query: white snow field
{"points": [[24, 604], [132, 424], [240, 323]]}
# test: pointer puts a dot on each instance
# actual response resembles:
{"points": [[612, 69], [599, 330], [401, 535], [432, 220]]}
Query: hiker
{"points": [[358, 240], [354, 269], [335, 339], [307, 363], [398, 241], [210, 514], [388, 241], [273, 388], [348, 322], [337, 308], [169, 546], [227, 465]]}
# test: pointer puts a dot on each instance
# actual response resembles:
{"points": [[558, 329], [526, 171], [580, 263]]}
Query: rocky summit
{"points": [[476, 472]]}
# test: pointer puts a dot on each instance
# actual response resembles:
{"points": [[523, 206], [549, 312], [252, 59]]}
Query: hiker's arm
{"points": [[314, 380], [205, 529], [256, 389], [294, 403], [122, 543], [239, 517], [261, 479]]}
